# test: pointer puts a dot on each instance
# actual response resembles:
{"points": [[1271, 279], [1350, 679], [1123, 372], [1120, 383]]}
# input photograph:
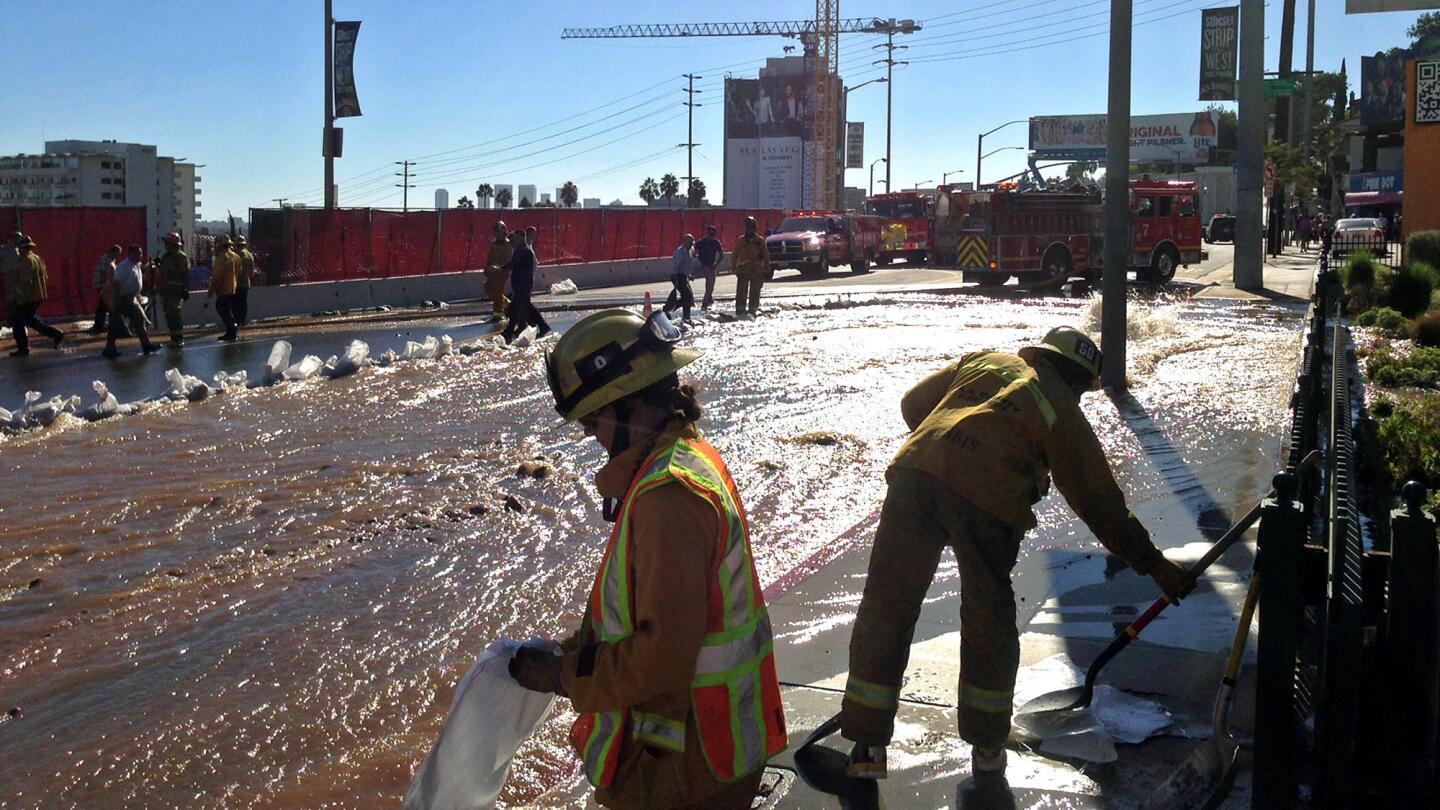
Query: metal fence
{"points": [[1347, 686], [1342, 245]]}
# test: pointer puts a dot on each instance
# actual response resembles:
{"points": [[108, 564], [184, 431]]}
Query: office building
{"points": [[526, 192], [442, 198]]}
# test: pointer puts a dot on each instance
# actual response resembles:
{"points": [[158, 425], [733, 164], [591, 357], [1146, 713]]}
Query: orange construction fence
{"points": [[295, 245], [71, 241]]}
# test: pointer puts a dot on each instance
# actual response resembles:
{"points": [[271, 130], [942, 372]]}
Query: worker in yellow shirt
{"points": [[242, 281], [987, 435], [496, 274], [224, 270], [752, 261]]}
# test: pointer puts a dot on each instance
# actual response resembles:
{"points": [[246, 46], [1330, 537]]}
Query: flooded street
{"points": [[266, 599]]}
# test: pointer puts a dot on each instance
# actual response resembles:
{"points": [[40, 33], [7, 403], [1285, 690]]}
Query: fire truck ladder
{"points": [[821, 38]]}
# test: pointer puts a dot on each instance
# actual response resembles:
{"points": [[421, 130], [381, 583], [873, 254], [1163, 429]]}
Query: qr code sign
{"points": [[1427, 92]]}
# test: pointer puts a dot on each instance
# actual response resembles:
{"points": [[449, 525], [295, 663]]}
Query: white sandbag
{"points": [[489, 718], [445, 346], [425, 350], [565, 287], [387, 358], [525, 338], [16, 418], [305, 369], [225, 379], [278, 362], [43, 414], [105, 407], [183, 387], [356, 357]]}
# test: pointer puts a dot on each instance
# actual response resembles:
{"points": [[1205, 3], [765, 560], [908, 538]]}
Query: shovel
{"points": [[1079, 697]]}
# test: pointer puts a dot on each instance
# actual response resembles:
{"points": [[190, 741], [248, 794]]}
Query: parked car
{"points": [[1359, 233], [1220, 229], [813, 242]]}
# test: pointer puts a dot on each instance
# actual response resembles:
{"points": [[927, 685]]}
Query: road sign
{"points": [[1269, 172], [1278, 88]]}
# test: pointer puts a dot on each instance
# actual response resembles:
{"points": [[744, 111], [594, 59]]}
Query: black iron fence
{"points": [[1344, 244], [1348, 676]]}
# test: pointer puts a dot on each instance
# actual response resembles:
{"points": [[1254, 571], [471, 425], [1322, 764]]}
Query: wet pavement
{"points": [[268, 597]]}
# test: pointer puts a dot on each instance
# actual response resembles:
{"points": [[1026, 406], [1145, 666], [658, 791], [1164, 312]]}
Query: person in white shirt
{"points": [[104, 272], [129, 281], [682, 264]]}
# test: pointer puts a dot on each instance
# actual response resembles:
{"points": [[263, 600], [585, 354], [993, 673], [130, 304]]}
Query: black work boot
{"points": [[867, 762]]}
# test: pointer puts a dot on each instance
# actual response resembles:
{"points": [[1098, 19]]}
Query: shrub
{"points": [[1419, 369], [1427, 329], [1410, 288], [1359, 269], [1386, 321], [1410, 438], [1424, 246]]}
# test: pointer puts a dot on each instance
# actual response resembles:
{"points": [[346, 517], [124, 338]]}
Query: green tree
{"points": [[464, 203], [649, 192], [525, 203], [1426, 25], [569, 194], [696, 193], [669, 186], [484, 192], [1082, 170], [503, 198]]}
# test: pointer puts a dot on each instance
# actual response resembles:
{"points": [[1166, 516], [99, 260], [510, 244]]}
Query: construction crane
{"points": [[821, 38]]}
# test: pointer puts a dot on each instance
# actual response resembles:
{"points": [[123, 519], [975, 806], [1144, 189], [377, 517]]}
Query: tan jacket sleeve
{"points": [[920, 401], [1083, 476], [676, 533]]}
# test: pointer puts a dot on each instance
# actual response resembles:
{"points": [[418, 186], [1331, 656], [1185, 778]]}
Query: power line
{"points": [[405, 185]]}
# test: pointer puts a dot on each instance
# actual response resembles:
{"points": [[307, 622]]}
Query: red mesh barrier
{"points": [[578, 236], [71, 240], [465, 237], [327, 246], [404, 244]]}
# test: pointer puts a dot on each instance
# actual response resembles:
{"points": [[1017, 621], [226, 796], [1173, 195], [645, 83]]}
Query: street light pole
{"points": [[921, 184], [945, 175], [872, 174], [980, 147], [1117, 198], [329, 146]]}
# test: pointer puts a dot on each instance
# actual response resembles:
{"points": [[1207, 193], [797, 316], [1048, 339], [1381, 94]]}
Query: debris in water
{"points": [[533, 469], [35, 583], [478, 509], [514, 504], [1087, 734], [822, 438]]}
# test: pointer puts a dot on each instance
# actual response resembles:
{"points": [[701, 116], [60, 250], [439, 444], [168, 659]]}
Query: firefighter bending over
{"points": [[988, 433]]}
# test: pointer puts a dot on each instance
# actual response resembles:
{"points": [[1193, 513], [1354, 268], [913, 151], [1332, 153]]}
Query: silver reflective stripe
{"points": [[874, 695], [736, 561], [659, 730], [606, 724], [614, 617], [718, 658], [750, 751], [992, 701]]}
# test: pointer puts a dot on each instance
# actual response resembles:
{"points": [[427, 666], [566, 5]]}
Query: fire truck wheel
{"points": [[1162, 267], [860, 267], [1056, 264]]}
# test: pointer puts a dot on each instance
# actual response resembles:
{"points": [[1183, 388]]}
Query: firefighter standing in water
{"points": [[988, 433], [752, 260], [243, 277], [496, 276], [672, 669], [174, 284]]}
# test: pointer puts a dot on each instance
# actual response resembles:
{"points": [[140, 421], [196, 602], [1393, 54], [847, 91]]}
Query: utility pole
{"points": [[1249, 267], [1306, 113], [1117, 198], [890, 63], [329, 145], [690, 144], [404, 184], [1284, 106], [279, 201]]}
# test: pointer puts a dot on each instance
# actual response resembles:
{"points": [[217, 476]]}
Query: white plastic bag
{"points": [[356, 357], [305, 369], [183, 387], [489, 718], [565, 287], [278, 362], [105, 407]]}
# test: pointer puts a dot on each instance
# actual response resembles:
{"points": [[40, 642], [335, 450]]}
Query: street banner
{"points": [[855, 144], [1219, 45], [347, 103], [1369, 6], [1172, 138]]}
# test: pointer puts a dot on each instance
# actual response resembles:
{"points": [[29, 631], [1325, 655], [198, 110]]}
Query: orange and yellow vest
{"points": [[735, 693]]}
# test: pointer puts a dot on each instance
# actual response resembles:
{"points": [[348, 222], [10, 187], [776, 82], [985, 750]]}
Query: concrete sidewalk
{"points": [[1288, 277]]}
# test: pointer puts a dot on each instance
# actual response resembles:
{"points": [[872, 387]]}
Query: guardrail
{"points": [[1347, 674]]}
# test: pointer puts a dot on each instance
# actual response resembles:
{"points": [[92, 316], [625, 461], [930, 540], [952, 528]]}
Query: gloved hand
{"points": [[537, 669], [1173, 580]]}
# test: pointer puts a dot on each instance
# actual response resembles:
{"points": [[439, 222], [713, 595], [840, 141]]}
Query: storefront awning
{"points": [[1359, 198]]}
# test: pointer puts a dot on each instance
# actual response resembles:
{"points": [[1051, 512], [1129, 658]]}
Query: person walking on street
{"points": [[242, 281], [174, 284], [709, 251], [223, 270], [522, 313], [32, 288], [681, 266], [497, 271], [102, 280], [1306, 225], [672, 670], [987, 434], [752, 261], [129, 282]]}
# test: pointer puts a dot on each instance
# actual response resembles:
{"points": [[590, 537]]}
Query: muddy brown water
{"points": [[266, 599]]}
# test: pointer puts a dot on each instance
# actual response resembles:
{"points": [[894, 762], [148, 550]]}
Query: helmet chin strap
{"points": [[610, 507]]}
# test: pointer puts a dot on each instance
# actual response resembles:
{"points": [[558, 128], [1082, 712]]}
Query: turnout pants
{"points": [[920, 518], [225, 308], [680, 296], [495, 283], [22, 315], [747, 291], [174, 320], [241, 307]]}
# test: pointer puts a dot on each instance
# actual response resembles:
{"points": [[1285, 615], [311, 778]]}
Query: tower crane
{"points": [[821, 38]]}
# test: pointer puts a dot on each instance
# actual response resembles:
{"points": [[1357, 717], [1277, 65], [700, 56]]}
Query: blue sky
{"points": [[481, 91]]}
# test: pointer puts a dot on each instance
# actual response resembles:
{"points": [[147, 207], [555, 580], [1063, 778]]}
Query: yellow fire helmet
{"points": [[610, 355], [1073, 345]]}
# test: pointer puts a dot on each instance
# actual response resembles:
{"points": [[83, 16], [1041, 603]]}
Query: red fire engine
{"points": [[1047, 237], [905, 218]]}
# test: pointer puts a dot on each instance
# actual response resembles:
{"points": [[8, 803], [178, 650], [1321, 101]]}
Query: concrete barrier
{"points": [[408, 291]]}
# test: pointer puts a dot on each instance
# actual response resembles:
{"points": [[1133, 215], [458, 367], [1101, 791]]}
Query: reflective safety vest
{"points": [[735, 694]]}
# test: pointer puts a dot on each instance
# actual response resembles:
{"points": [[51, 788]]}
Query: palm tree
{"points": [[464, 203], [669, 186], [696, 192], [503, 197], [569, 194], [484, 193], [649, 192]]}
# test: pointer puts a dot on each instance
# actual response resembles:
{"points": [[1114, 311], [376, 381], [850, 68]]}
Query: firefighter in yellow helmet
{"points": [[672, 671], [987, 434], [496, 276]]}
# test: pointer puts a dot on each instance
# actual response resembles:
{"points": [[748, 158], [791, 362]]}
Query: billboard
{"points": [[1382, 88], [1170, 138], [767, 140], [1219, 44]]}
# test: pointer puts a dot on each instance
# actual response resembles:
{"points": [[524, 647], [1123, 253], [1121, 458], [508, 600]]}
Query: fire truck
{"points": [[815, 241], [1050, 236], [905, 225]]}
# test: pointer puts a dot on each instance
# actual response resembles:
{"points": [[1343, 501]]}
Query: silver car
{"points": [[1359, 233]]}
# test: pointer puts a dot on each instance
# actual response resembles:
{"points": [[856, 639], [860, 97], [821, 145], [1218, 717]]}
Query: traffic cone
{"points": [[649, 307]]}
